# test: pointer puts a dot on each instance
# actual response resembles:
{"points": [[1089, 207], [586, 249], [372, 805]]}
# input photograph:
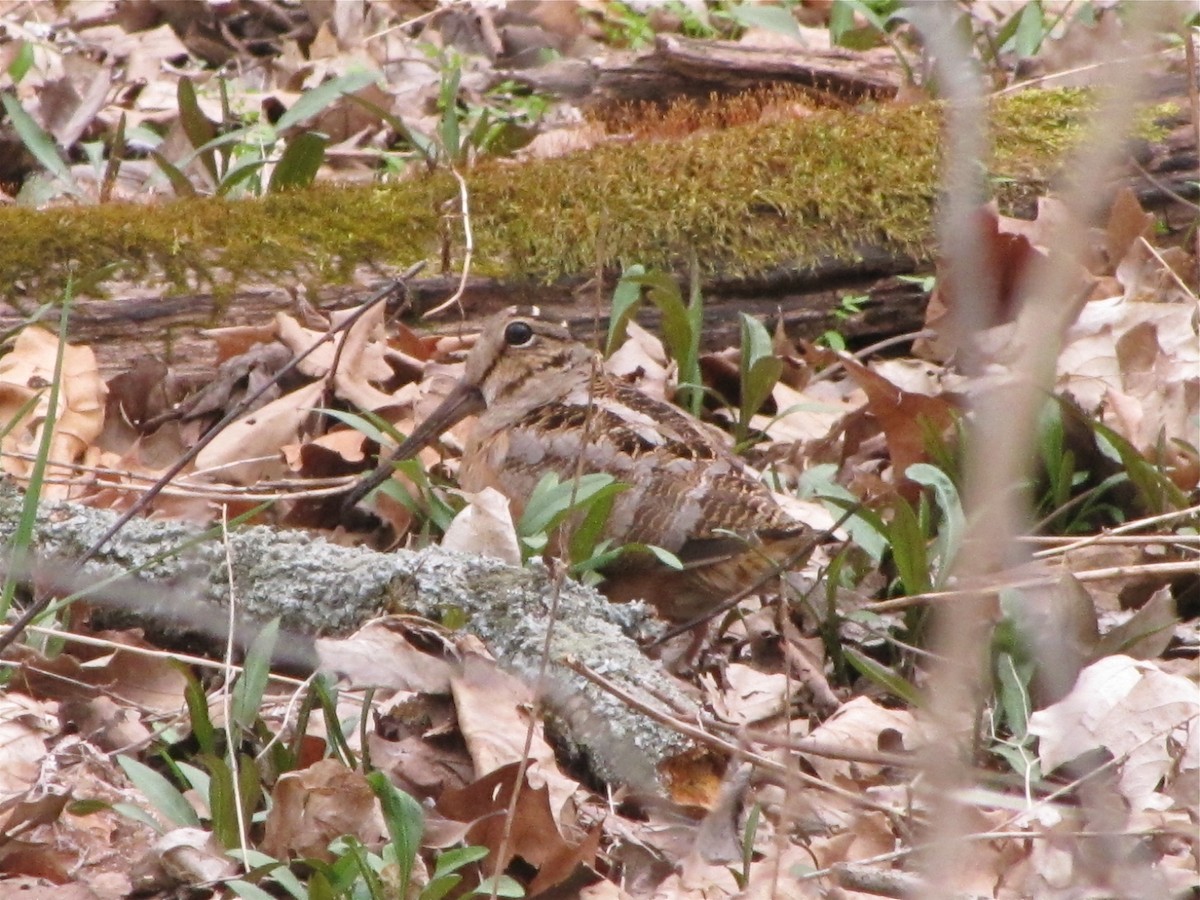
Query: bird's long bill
{"points": [[462, 401]]}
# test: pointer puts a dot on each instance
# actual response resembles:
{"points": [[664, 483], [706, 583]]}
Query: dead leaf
{"points": [[484, 527], [493, 713], [1148, 720], [315, 805], [26, 373], [383, 653]]}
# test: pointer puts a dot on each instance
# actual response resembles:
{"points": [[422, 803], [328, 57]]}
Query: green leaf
{"points": [[681, 323], [884, 677], [243, 170], [248, 691], [748, 835], [248, 890], [423, 144], [550, 500], [453, 860], [760, 370], [137, 814], [1158, 492], [1030, 30], [448, 130], [664, 556], [198, 127], [39, 143], [22, 62], [222, 804], [299, 163], [908, 549], [405, 821], [1014, 694], [954, 522], [163, 795], [772, 18], [180, 183], [198, 716], [21, 541], [625, 299], [865, 527], [503, 886], [315, 100]]}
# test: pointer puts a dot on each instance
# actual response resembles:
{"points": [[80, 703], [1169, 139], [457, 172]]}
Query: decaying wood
{"points": [[685, 67], [182, 592], [170, 327]]}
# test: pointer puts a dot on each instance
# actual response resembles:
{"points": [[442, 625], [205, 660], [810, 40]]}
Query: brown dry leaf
{"points": [[534, 835], [871, 834], [1137, 365], [26, 373], [748, 695], [1147, 719], [1011, 247], [1127, 222], [1148, 632], [395, 652], [860, 724], [493, 713], [192, 856], [641, 360], [809, 414], [315, 805], [234, 340], [906, 417], [416, 743], [248, 451], [693, 778]]}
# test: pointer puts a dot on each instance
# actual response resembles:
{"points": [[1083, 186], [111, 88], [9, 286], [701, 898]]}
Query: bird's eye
{"points": [[518, 334]]}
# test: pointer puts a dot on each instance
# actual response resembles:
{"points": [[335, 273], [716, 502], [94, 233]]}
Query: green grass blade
{"points": [[38, 142], [300, 161]]}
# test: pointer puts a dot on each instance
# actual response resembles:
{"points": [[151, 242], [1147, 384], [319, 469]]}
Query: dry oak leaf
{"points": [[1147, 719], [26, 373]]}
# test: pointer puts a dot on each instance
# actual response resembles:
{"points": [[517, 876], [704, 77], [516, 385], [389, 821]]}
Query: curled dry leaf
{"points": [[26, 373], [748, 696], [534, 834], [1137, 366], [860, 724], [905, 416], [25, 726], [315, 805]]}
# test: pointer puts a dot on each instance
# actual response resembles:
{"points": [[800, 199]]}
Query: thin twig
{"points": [[994, 587], [703, 737], [231, 743]]}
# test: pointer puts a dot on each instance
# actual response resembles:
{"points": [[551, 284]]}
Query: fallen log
{"points": [[175, 582]]}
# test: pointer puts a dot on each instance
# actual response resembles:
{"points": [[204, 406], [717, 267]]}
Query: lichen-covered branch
{"points": [[315, 587]]}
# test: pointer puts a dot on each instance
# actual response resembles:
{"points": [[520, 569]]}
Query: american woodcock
{"points": [[545, 404]]}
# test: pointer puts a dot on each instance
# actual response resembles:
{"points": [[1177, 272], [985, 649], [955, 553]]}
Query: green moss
{"points": [[746, 199]]}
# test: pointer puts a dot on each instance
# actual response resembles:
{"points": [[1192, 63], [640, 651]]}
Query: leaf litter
{"points": [[451, 726]]}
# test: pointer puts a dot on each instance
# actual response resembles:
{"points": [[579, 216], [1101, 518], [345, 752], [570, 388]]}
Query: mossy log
{"points": [[181, 593]]}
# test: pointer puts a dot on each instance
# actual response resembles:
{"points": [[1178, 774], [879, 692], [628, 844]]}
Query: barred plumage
{"points": [[545, 404]]}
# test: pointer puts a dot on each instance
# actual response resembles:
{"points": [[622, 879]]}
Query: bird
{"points": [[544, 403]]}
